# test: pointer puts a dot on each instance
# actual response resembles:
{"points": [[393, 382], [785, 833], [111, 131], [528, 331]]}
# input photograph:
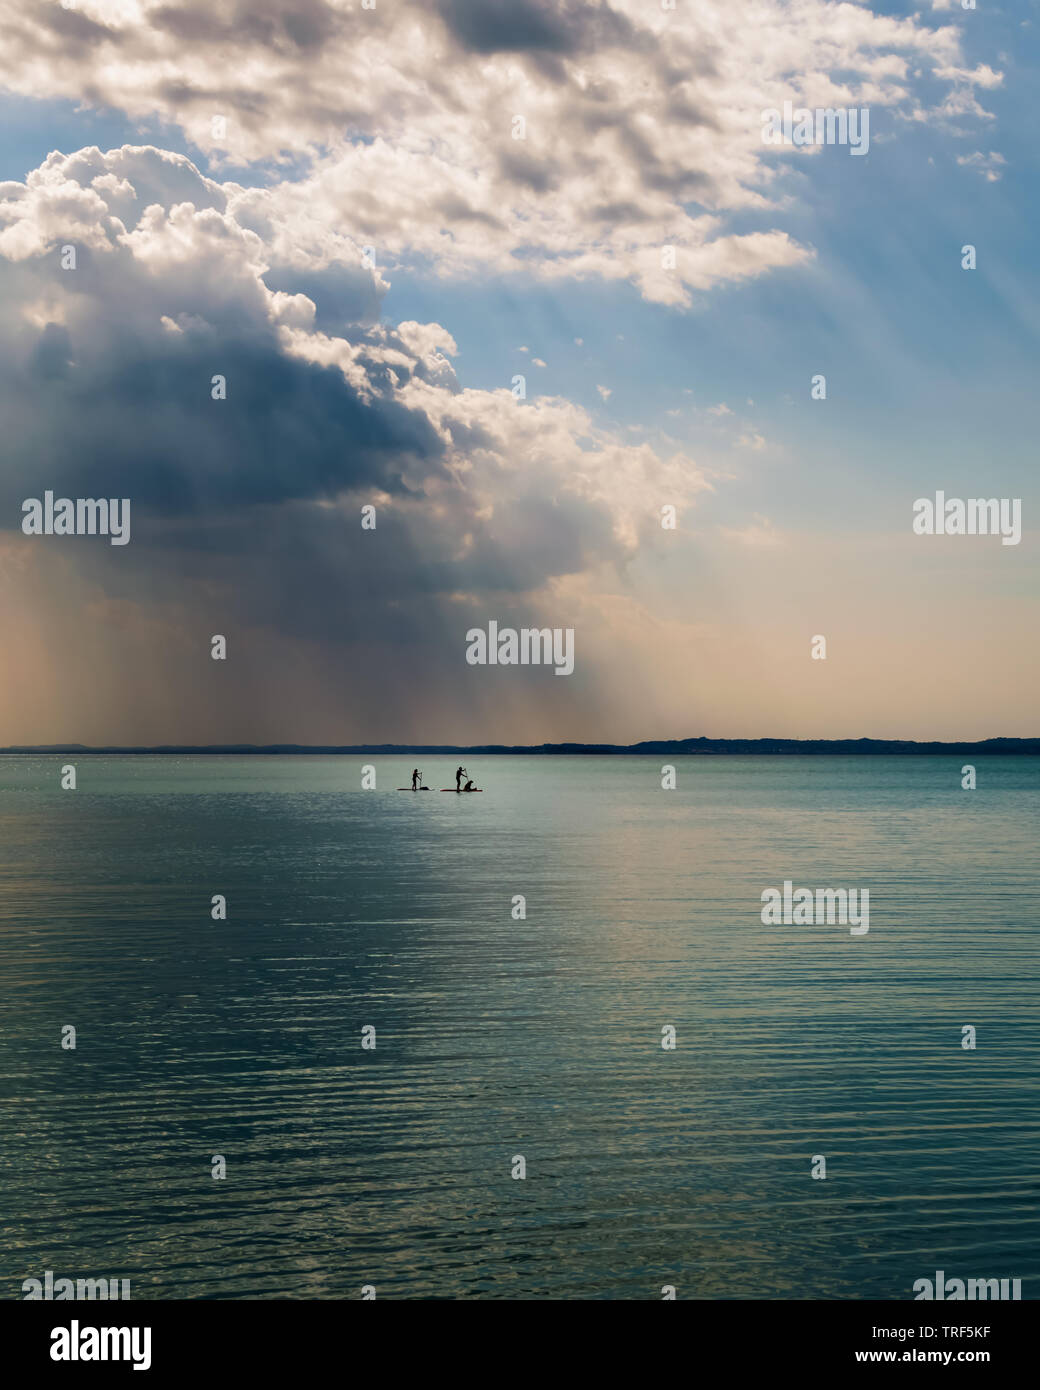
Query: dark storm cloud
{"points": [[143, 424], [314, 572]]}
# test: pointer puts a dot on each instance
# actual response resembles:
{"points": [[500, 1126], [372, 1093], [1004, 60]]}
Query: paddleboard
{"points": [[413, 789]]}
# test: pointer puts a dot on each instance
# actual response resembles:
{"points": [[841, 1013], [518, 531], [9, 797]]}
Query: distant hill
{"points": [[655, 748]]}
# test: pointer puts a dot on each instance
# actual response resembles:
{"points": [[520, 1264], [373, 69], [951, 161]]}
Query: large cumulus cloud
{"points": [[106, 372], [117, 353]]}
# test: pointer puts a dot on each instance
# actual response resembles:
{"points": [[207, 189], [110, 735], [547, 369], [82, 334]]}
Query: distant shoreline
{"points": [[663, 748]]}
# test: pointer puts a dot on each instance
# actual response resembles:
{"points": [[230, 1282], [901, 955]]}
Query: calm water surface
{"points": [[499, 1037]]}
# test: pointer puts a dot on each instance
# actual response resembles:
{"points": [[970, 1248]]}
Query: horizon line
{"points": [[700, 744]]}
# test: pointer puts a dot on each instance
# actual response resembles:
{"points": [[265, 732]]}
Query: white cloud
{"points": [[403, 117], [988, 165]]}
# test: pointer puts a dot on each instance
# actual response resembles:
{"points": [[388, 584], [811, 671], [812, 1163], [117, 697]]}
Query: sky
{"points": [[328, 206]]}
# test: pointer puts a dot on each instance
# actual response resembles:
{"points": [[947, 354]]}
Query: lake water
{"points": [[498, 1037]]}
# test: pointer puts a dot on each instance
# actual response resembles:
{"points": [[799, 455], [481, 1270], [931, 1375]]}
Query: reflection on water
{"points": [[499, 1037]]}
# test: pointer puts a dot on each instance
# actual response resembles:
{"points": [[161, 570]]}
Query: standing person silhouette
{"points": [[460, 772], [415, 780]]}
